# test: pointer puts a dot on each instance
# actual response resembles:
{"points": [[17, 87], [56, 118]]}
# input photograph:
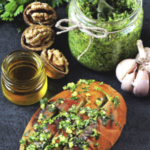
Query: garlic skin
{"points": [[147, 49], [141, 83], [142, 52], [127, 82], [125, 67]]}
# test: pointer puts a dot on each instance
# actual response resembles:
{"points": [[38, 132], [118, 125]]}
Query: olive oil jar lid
{"points": [[23, 77]]}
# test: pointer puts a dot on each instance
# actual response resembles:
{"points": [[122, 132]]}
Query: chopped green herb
{"points": [[70, 86], [97, 136], [74, 98], [112, 118], [51, 107], [98, 102], [43, 103], [100, 83], [86, 81], [73, 109], [74, 93], [27, 133], [96, 144], [60, 100], [22, 142], [116, 101]]}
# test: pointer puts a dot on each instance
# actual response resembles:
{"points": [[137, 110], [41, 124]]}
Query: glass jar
{"points": [[23, 78], [104, 54]]}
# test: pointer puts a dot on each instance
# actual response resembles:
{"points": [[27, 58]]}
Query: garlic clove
{"points": [[125, 67], [127, 82], [141, 83]]}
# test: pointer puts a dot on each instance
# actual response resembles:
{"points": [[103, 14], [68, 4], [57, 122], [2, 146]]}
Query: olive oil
{"points": [[23, 79], [22, 71]]}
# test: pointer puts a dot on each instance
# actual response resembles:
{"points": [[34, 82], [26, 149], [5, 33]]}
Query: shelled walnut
{"points": [[37, 38], [56, 64], [39, 13]]}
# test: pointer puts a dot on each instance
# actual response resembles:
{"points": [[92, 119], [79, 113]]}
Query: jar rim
{"points": [[139, 4], [32, 55]]}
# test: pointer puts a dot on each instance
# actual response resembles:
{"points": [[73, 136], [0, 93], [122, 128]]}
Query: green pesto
{"points": [[104, 54], [121, 9]]}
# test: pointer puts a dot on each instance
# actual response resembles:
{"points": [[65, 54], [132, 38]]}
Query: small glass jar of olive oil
{"points": [[23, 77]]}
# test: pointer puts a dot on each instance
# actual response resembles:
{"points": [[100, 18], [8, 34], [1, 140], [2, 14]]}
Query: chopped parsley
{"points": [[43, 103], [27, 133], [22, 142], [86, 81], [85, 89], [116, 101], [60, 100], [96, 144], [74, 98], [112, 118], [73, 109], [70, 86], [100, 83], [51, 107]]}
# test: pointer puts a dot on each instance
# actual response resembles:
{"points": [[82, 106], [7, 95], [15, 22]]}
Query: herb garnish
{"points": [[43, 103], [74, 98], [27, 133], [70, 86], [60, 100], [100, 83], [116, 101], [112, 118], [86, 81]]}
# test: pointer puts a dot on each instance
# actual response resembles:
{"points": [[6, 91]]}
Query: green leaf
{"points": [[19, 10], [60, 1], [66, 9], [23, 2], [57, 3], [53, 3], [7, 18], [1, 6], [3, 2], [11, 7], [6, 14], [66, 0], [1, 10]]}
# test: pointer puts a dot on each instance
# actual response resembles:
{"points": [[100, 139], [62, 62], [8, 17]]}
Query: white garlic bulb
{"points": [[134, 73]]}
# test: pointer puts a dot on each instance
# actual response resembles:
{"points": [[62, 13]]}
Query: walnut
{"points": [[56, 64], [39, 13], [37, 38]]}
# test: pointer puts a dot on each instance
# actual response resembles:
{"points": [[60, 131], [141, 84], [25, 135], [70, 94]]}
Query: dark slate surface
{"points": [[13, 118]]}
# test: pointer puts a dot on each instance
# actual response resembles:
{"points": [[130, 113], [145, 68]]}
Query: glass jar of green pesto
{"points": [[105, 53]]}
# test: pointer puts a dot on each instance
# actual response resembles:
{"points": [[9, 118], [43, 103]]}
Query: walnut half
{"points": [[40, 14], [55, 63], [37, 38]]}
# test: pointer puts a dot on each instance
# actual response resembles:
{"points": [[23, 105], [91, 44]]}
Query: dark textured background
{"points": [[13, 118]]}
